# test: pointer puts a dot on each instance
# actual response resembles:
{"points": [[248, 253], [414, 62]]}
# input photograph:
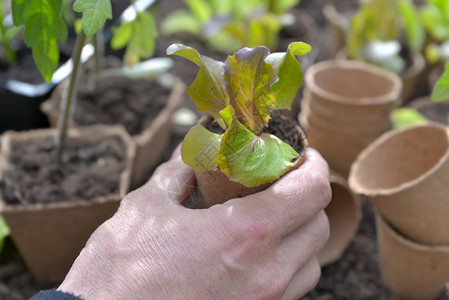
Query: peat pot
{"points": [[344, 214], [50, 235], [405, 174], [215, 187], [411, 270]]}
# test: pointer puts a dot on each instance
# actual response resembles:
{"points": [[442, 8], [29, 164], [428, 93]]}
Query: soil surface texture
{"points": [[88, 171], [133, 103]]}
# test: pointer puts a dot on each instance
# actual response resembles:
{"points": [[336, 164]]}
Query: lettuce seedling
{"points": [[229, 25], [440, 91], [375, 33], [240, 94], [435, 18]]}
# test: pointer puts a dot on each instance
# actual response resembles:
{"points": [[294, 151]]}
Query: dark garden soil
{"points": [[89, 171], [133, 103]]}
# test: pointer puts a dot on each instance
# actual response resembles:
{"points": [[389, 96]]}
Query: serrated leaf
{"points": [[413, 29], [207, 90], [253, 160], [440, 91], [44, 28], [200, 148], [95, 14], [289, 72], [405, 117], [249, 79]]}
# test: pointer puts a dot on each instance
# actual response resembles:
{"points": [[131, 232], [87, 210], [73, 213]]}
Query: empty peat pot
{"points": [[405, 174], [347, 105], [344, 214], [411, 270]]}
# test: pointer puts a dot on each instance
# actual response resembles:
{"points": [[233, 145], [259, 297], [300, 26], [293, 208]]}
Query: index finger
{"points": [[293, 200]]}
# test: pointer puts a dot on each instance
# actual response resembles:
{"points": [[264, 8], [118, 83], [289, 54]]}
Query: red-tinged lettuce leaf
{"points": [[250, 159], [207, 90], [289, 72], [200, 148], [248, 81]]}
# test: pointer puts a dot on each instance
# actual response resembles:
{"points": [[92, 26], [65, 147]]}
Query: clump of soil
{"points": [[89, 170], [134, 103]]}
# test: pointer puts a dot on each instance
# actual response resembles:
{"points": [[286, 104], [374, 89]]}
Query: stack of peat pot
{"points": [[346, 106], [405, 174]]}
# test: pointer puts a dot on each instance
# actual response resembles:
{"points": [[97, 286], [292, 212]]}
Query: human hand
{"points": [[262, 246]]}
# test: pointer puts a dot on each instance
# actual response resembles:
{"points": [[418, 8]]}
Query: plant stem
{"points": [[99, 56], [67, 104]]}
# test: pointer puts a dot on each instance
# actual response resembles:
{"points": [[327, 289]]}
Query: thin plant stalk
{"points": [[98, 41], [68, 102]]}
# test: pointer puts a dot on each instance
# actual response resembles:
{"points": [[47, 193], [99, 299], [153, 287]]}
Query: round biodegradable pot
{"points": [[434, 111], [347, 105], [337, 23], [216, 188], [355, 130], [411, 270], [344, 214], [408, 77], [405, 174], [353, 86]]}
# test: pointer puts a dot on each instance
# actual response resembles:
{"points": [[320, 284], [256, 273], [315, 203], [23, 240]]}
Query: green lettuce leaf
{"points": [[404, 117], [200, 148], [249, 81], [208, 90], [440, 91], [95, 14], [250, 159], [289, 72]]}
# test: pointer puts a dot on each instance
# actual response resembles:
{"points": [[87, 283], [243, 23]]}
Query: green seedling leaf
{"points": [[414, 31], [200, 148], [406, 117], [181, 21], [249, 81], [208, 90], [440, 91], [250, 159], [95, 14], [289, 72], [138, 36], [44, 28], [201, 9], [4, 232]]}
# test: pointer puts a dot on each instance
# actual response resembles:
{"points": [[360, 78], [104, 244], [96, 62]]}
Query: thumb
{"points": [[171, 183]]}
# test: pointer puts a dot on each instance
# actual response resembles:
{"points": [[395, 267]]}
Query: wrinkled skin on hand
{"points": [[262, 246]]}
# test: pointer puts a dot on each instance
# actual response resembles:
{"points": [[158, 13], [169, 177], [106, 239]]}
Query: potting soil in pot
{"points": [[130, 102], [89, 170]]}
